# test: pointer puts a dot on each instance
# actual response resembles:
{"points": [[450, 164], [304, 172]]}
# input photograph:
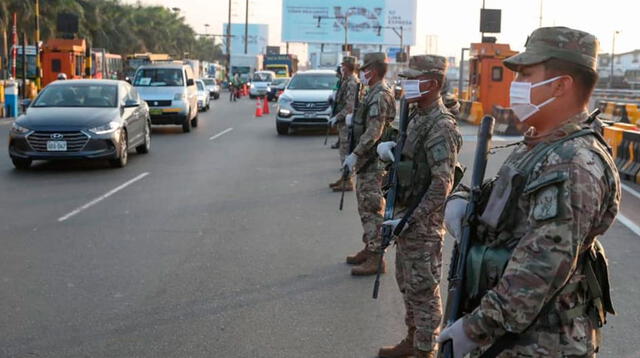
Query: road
{"points": [[224, 242]]}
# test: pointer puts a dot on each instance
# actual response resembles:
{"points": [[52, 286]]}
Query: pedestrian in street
{"points": [[541, 287], [374, 115], [344, 106], [426, 177]]}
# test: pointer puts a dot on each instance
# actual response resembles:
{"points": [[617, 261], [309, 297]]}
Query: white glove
{"points": [[333, 121], [393, 223], [462, 344], [350, 161], [453, 215], [385, 151], [349, 119]]}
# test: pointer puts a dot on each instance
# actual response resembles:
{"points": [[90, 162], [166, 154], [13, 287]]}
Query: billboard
{"points": [[300, 21], [258, 38]]}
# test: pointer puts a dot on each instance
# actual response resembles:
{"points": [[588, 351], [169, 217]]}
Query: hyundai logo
{"points": [[56, 136], [155, 103], [309, 105]]}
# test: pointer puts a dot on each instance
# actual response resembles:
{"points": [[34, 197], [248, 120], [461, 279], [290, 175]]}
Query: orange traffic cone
{"points": [[258, 108], [245, 90], [265, 108]]}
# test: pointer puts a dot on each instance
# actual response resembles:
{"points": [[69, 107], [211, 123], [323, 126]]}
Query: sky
{"points": [[455, 23]]}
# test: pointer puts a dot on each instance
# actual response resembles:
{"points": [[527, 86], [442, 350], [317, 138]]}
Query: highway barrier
{"points": [[470, 112], [506, 122], [624, 139], [619, 112]]}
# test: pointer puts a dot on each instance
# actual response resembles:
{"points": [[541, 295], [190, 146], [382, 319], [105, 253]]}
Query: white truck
{"points": [[245, 65], [325, 60]]}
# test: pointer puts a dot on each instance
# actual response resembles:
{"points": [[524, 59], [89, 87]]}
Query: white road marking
{"points": [[221, 133], [630, 190], [102, 197], [629, 224]]}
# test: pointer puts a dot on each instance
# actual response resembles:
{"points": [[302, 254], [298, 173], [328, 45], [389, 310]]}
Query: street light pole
{"points": [[246, 26], [38, 65], [613, 49], [229, 42]]}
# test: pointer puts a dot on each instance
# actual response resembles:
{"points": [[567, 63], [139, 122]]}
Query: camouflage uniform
{"points": [[569, 196], [432, 137], [345, 101], [375, 113]]}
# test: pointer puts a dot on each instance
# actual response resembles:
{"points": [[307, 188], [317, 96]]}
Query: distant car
{"points": [[212, 87], [170, 91], [277, 86], [260, 83], [305, 101], [203, 96], [91, 119]]}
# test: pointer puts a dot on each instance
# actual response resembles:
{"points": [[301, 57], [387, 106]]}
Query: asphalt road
{"points": [[224, 242]]}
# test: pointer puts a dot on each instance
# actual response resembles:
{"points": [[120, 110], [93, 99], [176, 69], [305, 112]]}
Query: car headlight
{"points": [[284, 112], [268, 89], [105, 129], [17, 129], [252, 86], [179, 97]]}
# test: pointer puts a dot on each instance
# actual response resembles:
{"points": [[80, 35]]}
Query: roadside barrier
{"points": [[619, 112], [624, 139], [506, 122], [470, 112]]}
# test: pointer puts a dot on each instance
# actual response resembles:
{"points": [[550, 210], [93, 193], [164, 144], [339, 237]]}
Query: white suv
{"points": [[305, 101]]}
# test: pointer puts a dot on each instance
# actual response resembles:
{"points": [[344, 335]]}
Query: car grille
{"points": [[163, 103], [75, 140], [310, 106]]}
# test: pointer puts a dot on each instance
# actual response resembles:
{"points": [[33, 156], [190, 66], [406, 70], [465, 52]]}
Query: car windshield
{"points": [[279, 81], [200, 85], [209, 81], [262, 77], [78, 95], [159, 77], [313, 82]]}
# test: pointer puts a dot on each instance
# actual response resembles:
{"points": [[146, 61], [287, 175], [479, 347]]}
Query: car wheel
{"points": [[123, 155], [194, 121], [216, 95], [21, 163], [186, 125], [282, 128], [146, 146]]}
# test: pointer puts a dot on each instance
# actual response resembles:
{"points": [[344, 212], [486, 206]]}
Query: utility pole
{"points": [[540, 22], [613, 51], [229, 42], [246, 26], [461, 77], [37, 44], [482, 33], [14, 52], [24, 64]]}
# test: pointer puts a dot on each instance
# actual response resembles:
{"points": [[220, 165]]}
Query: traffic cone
{"points": [[265, 108], [245, 90], [258, 108]]}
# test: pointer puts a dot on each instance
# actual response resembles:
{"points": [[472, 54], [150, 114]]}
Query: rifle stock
{"points": [[386, 231], [459, 257]]}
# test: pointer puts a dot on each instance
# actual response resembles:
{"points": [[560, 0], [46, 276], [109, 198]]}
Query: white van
{"points": [[260, 83], [170, 91]]}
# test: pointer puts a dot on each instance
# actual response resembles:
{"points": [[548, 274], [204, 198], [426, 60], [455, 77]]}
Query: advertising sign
{"points": [[258, 38], [323, 21]]}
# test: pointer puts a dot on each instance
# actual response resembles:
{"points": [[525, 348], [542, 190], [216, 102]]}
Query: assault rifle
{"points": [[387, 231], [457, 268], [332, 103], [352, 144]]}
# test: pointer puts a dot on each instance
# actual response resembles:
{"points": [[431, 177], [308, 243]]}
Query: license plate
{"points": [[309, 115], [56, 146], [155, 111]]}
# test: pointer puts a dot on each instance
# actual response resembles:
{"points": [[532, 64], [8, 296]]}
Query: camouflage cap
{"points": [[349, 60], [373, 57], [424, 64], [561, 43]]}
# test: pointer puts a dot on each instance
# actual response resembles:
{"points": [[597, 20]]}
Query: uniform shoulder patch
{"points": [[439, 150], [546, 203]]}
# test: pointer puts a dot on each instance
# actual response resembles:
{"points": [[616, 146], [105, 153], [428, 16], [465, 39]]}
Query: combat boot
{"points": [[424, 354], [336, 183], [400, 350], [369, 266], [358, 258]]}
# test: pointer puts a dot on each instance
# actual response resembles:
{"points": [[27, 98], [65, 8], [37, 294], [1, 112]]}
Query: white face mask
{"points": [[363, 78], [520, 96], [412, 88]]}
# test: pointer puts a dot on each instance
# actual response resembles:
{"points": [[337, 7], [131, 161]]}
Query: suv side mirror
{"points": [[190, 82], [131, 103]]}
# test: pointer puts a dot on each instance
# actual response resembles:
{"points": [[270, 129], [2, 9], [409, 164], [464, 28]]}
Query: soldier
{"points": [[374, 114], [345, 100], [554, 195], [426, 174]]}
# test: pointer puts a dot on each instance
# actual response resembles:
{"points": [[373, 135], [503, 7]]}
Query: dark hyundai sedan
{"points": [[92, 119]]}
